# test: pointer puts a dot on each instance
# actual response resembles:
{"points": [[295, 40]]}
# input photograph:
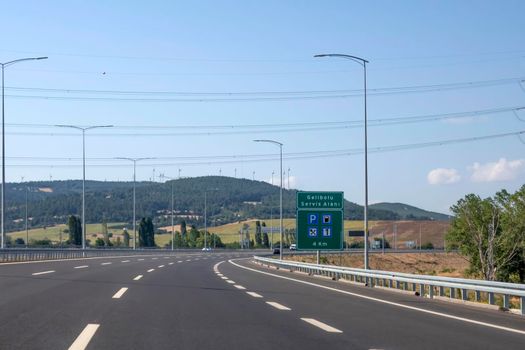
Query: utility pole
{"points": [[420, 238], [395, 237]]}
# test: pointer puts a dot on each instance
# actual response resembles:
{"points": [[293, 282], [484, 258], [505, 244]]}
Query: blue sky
{"points": [[259, 47]]}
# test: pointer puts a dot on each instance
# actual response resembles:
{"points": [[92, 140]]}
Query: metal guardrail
{"points": [[430, 286], [32, 254]]}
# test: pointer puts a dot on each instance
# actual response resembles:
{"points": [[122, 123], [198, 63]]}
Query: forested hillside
{"points": [[228, 200]]}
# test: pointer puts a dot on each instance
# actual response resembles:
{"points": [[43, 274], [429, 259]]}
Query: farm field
{"points": [[431, 231]]}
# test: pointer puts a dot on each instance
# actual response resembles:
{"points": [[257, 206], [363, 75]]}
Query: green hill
{"points": [[51, 202], [408, 212]]}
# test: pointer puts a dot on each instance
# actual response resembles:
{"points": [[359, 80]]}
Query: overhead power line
{"points": [[209, 130], [182, 96], [229, 159]]}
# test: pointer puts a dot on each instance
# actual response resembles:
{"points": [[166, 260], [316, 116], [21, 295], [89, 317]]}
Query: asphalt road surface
{"points": [[223, 300]]}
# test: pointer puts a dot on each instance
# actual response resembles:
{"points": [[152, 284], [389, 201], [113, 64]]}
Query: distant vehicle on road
{"points": [[276, 251], [206, 249], [293, 246]]}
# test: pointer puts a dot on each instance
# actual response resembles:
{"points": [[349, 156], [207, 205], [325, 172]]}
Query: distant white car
{"points": [[293, 246]]}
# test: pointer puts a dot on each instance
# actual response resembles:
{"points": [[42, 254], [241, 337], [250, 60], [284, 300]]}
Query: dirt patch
{"points": [[439, 264]]}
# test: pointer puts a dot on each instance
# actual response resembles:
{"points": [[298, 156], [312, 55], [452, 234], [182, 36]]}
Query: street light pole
{"points": [[205, 228], [134, 160], [362, 62], [280, 192], [84, 129], [4, 65]]}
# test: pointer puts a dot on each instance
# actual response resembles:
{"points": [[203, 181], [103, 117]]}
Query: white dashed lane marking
{"points": [[170, 263], [239, 287], [81, 267], [125, 261], [120, 293], [43, 272], [137, 278], [106, 263], [160, 266], [255, 295], [278, 306], [83, 339], [321, 325], [150, 270], [230, 281], [224, 277]]}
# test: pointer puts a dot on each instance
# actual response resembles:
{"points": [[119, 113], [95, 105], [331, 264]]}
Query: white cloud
{"points": [[502, 170], [441, 176]]}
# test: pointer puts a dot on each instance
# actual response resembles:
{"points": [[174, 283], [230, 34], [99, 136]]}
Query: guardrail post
{"points": [[452, 293], [522, 305], [422, 290], [441, 291], [478, 296], [506, 301], [491, 298], [464, 294], [431, 291]]}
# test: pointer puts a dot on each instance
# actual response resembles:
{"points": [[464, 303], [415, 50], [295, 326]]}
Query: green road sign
{"points": [[320, 200], [319, 220]]}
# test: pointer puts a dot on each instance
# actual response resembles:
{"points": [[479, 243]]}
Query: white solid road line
{"points": [[255, 295], [321, 325], [42, 273], [414, 308], [120, 293], [125, 261], [106, 263], [230, 281], [239, 287], [81, 267], [137, 278], [160, 266], [83, 339], [150, 270], [278, 306]]}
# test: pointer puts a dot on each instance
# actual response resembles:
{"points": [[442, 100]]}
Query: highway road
{"points": [[222, 300]]}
